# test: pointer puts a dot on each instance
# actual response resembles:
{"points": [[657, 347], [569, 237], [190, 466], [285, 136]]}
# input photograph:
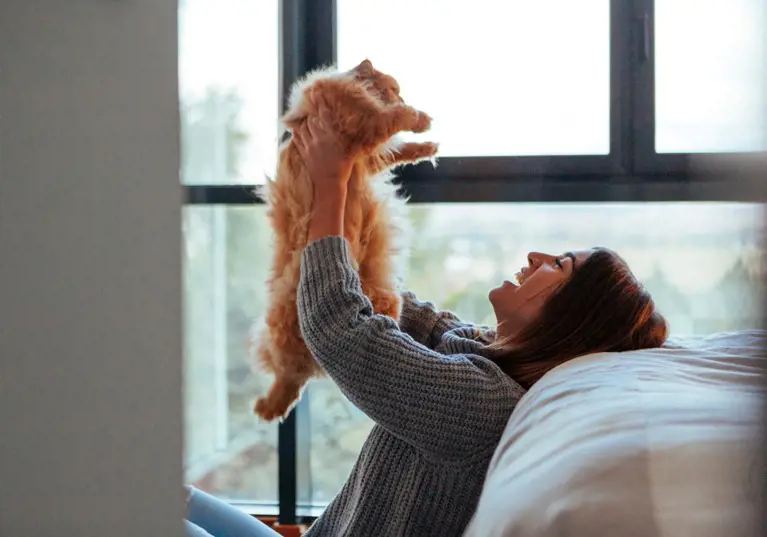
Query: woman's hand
{"points": [[329, 167], [324, 154]]}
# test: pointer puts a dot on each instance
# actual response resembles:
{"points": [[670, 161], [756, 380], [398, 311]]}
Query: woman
{"points": [[440, 391]]}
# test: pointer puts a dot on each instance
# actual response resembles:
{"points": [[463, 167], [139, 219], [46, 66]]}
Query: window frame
{"points": [[647, 159], [631, 172]]}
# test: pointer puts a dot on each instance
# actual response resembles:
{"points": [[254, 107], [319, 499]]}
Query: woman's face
{"points": [[516, 305]]}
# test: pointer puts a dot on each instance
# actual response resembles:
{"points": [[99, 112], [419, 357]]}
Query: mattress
{"points": [[662, 442]]}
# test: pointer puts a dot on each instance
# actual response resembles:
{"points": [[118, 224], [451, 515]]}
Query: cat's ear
{"points": [[365, 68]]}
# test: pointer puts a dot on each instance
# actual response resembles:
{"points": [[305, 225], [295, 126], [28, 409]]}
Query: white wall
{"points": [[90, 294]]}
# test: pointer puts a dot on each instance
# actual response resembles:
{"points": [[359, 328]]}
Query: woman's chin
{"points": [[494, 292]]}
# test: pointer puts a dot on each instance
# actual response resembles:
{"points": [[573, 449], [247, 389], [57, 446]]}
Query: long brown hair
{"points": [[602, 307]]}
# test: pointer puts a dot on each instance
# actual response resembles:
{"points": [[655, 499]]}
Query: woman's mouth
{"points": [[521, 276]]}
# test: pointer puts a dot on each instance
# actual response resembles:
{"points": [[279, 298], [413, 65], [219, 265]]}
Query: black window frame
{"points": [[631, 172], [647, 160]]}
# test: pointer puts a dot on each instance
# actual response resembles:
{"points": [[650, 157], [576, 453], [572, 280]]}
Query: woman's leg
{"points": [[220, 519], [193, 530]]}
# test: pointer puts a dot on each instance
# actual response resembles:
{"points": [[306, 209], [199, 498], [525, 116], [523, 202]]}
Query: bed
{"points": [[663, 442]]}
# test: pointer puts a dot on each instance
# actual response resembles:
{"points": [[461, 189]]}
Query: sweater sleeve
{"points": [[423, 322], [451, 407]]}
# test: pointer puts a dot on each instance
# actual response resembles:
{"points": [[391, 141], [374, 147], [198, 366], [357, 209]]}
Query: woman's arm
{"points": [[423, 322], [329, 169], [448, 406]]}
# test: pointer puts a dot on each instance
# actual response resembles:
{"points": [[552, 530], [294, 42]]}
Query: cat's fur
{"points": [[368, 112]]}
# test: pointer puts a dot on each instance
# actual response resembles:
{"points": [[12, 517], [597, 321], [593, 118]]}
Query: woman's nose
{"points": [[536, 259]]}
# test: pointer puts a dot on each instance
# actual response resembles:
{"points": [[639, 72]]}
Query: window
{"points": [[710, 91], [229, 108], [499, 78], [685, 253], [558, 122], [228, 73], [228, 451]]}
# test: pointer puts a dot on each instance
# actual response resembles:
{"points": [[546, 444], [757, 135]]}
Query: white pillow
{"points": [[663, 442]]}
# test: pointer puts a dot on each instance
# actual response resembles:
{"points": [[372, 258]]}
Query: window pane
{"points": [[228, 451], [709, 76], [228, 72], [701, 261], [500, 78]]}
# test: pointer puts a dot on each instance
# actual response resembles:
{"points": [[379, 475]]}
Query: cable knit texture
{"points": [[439, 405]]}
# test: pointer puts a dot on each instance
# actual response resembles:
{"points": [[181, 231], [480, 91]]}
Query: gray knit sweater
{"points": [[438, 405]]}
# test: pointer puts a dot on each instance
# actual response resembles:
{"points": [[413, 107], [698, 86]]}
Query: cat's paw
{"points": [[428, 149], [268, 409], [414, 152], [422, 122]]}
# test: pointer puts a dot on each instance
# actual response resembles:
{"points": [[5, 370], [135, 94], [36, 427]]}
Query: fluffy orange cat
{"points": [[368, 112]]}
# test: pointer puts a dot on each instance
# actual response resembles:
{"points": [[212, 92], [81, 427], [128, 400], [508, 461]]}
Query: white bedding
{"points": [[664, 442]]}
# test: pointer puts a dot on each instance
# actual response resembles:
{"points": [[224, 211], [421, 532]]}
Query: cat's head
{"points": [[379, 84]]}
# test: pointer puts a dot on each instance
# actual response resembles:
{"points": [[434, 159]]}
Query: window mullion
{"points": [[292, 66], [643, 86], [623, 62], [307, 42]]}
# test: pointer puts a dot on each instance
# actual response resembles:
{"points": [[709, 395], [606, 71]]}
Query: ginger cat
{"points": [[368, 112]]}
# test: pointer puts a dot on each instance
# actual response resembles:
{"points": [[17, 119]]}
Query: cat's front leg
{"points": [[411, 152], [407, 153], [387, 122], [412, 119]]}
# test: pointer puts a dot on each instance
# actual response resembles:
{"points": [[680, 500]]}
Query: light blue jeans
{"points": [[207, 516]]}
